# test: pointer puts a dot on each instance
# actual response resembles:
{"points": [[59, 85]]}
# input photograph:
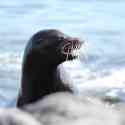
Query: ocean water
{"points": [[99, 22]]}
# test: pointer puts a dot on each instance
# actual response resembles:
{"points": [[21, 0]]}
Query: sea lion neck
{"points": [[35, 65], [38, 73]]}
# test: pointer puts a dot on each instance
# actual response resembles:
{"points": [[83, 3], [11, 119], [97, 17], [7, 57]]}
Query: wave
{"points": [[107, 82], [10, 61]]}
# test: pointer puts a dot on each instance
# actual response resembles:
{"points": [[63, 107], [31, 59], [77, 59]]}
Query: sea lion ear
{"points": [[39, 40]]}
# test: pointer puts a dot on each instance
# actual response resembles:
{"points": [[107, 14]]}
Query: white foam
{"points": [[114, 79], [84, 79], [10, 61]]}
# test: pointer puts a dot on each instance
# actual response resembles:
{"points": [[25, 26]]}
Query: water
{"points": [[100, 23]]}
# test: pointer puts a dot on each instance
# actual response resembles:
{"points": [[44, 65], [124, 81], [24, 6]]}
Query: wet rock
{"points": [[67, 109], [16, 117]]}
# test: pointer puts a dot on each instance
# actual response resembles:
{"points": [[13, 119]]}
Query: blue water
{"points": [[99, 22]]}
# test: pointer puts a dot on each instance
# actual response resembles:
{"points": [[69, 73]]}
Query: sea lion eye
{"points": [[60, 38]]}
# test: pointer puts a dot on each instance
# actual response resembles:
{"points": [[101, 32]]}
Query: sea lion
{"points": [[44, 52]]}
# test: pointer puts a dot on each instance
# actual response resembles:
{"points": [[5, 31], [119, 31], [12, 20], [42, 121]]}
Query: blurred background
{"points": [[99, 22]]}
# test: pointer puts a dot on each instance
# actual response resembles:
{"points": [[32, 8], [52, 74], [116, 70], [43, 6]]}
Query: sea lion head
{"points": [[55, 46], [40, 74]]}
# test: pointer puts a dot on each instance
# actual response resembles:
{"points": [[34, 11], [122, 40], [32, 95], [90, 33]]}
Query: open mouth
{"points": [[71, 47]]}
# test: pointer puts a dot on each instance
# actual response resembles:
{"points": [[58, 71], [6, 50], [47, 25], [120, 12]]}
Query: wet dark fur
{"points": [[40, 75]]}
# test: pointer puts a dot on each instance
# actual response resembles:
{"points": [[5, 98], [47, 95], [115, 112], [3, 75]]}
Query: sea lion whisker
{"points": [[67, 56]]}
